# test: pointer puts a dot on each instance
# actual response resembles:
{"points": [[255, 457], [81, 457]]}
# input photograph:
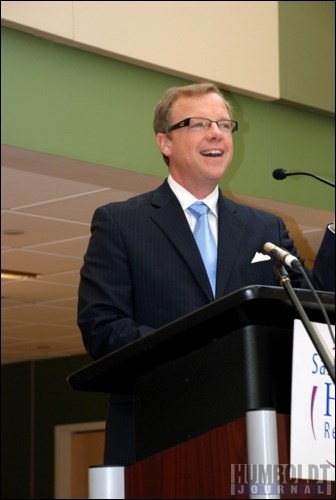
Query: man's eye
{"points": [[198, 125], [225, 125]]}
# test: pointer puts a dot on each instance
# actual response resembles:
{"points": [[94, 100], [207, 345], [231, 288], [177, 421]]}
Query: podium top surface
{"points": [[266, 306]]}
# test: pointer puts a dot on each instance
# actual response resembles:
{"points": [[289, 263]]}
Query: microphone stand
{"points": [[285, 282], [326, 181]]}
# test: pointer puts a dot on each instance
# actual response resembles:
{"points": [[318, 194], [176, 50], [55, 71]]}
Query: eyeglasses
{"points": [[205, 123]]}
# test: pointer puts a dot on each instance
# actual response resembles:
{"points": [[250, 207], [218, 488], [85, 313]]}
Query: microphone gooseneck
{"points": [[280, 173], [283, 257], [324, 352]]}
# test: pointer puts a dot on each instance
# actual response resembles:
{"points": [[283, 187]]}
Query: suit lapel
{"points": [[169, 216], [230, 238]]}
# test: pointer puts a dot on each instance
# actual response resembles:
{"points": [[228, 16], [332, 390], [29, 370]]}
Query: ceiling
{"points": [[51, 201], [47, 203]]}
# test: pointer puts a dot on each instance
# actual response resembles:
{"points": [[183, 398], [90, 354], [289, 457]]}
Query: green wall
{"points": [[72, 103]]}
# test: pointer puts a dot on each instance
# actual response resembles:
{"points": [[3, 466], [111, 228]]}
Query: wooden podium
{"points": [[194, 381]]}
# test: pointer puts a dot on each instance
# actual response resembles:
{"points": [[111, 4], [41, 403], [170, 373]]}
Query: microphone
{"points": [[280, 173], [282, 256]]}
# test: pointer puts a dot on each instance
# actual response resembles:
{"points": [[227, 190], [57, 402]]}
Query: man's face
{"points": [[198, 157]]}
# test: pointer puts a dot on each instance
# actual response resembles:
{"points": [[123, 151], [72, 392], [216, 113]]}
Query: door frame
{"points": [[62, 440]]}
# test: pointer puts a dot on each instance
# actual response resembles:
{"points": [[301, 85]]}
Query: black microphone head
{"points": [[279, 173]]}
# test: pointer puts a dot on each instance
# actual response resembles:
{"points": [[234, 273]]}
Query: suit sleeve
{"points": [[105, 308], [324, 267], [322, 275]]}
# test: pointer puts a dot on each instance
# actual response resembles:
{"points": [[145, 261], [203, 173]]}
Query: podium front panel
{"points": [[207, 368], [209, 387]]}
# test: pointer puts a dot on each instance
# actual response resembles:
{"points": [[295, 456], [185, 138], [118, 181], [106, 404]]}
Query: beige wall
{"points": [[234, 44]]}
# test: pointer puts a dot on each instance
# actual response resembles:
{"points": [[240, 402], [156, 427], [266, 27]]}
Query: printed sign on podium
{"points": [[313, 408]]}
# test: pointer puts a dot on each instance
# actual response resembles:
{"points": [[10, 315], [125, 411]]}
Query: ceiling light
{"points": [[17, 275], [13, 232]]}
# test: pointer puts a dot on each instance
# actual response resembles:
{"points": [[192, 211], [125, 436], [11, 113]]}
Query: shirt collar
{"points": [[186, 199]]}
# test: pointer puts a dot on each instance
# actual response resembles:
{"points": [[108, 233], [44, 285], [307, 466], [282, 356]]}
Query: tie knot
{"points": [[198, 208]]}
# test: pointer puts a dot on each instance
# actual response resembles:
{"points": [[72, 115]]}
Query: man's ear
{"points": [[163, 142]]}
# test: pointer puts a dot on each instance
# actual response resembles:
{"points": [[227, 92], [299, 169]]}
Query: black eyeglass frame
{"points": [[186, 122]]}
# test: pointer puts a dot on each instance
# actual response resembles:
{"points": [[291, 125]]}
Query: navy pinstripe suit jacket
{"points": [[143, 269]]}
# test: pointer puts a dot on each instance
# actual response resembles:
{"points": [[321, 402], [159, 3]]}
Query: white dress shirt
{"points": [[186, 199]]}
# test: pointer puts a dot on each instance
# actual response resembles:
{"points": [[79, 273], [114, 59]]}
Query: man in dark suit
{"points": [[143, 268]]}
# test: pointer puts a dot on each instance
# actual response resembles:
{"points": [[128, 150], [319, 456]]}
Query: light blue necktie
{"points": [[205, 240]]}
